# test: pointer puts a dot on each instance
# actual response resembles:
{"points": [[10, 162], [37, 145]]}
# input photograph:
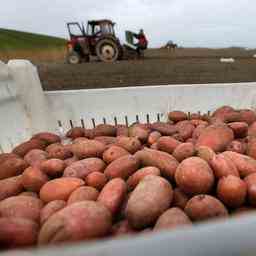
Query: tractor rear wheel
{"points": [[107, 50], [73, 58]]}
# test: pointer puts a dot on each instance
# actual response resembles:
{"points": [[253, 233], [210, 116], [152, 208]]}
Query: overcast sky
{"points": [[208, 23]]}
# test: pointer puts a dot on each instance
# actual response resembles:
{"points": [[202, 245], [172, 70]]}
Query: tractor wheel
{"points": [[73, 58], [107, 50]]}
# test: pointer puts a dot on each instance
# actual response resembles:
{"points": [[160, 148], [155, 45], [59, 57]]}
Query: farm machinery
{"points": [[97, 39]]}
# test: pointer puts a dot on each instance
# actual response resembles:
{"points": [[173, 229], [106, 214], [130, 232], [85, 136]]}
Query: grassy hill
{"points": [[17, 40]]}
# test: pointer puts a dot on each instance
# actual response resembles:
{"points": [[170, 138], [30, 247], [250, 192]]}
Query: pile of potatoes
{"points": [[117, 180]]}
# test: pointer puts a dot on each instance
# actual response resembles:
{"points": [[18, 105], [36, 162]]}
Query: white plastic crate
{"points": [[25, 109]]}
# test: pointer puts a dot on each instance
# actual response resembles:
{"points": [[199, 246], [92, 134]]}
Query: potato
{"points": [[198, 130], [12, 167], [164, 128], [252, 130], [10, 187], [35, 157], [250, 181], [132, 145], [183, 151], [153, 137], [205, 153], [47, 137], [75, 132], [21, 207], [50, 209], [154, 146], [198, 122], [194, 176], [139, 131], [70, 160], [122, 167], [113, 153], [59, 189], [248, 116], [177, 116], [180, 199], [231, 190], [148, 201], [135, 179], [167, 144], [53, 167], [244, 164], [22, 149], [104, 130], [226, 114], [251, 148], [185, 129], [205, 207], [7, 156], [122, 228], [237, 146], [165, 162], [122, 130], [240, 129], [96, 180], [58, 151], [83, 194], [28, 193], [88, 148], [84, 167], [178, 137], [113, 195], [33, 179], [107, 140], [216, 137], [223, 166], [17, 232], [171, 219], [77, 222]]}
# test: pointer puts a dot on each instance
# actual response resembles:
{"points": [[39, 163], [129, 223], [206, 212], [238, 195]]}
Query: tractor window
{"points": [[107, 29], [75, 30]]}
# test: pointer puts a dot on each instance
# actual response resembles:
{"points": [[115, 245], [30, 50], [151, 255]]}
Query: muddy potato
{"points": [[113, 195], [59, 189], [165, 162], [205, 207], [58, 151], [33, 179], [76, 132], [122, 167], [153, 137], [77, 222], [84, 193], [250, 181], [231, 190], [50, 209], [139, 175], [35, 157], [132, 145], [113, 153], [173, 218], [17, 232], [47, 137], [148, 201], [180, 199], [10, 187], [53, 167], [183, 151], [21, 207], [96, 180], [167, 144], [82, 168], [177, 116], [194, 176]]}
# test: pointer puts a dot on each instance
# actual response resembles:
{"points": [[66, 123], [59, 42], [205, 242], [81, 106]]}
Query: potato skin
{"points": [[250, 181], [17, 232], [35, 157], [58, 151], [248, 116], [53, 167], [10, 187], [122, 167], [240, 129], [50, 209], [183, 151], [167, 144], [79, 221], [177, 116], [165, 162], [171, 219], [104, 130], [82, 168], [205, 207], [180, 199], [96, 180], [185, 129], [237, 146], [107, 140], [251, 148], [21, 207], [75, 132], [59, 189], [153, 137], [205, 153], [139, 131], [6, 156], [231, 190], [165, 129], [113, 194], [113, 153], [28, 193], [194, 176], [148, 201], [132, 145], [135, 179], [122, 130], [33, 179], [84, 193], [47, 137]]}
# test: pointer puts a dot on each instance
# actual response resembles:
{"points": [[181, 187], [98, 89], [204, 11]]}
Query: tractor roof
{"points": [[97, 22]]}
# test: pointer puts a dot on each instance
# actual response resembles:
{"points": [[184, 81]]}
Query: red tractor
{"points": [[98, 39]]}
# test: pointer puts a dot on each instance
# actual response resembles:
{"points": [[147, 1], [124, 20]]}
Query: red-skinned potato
{"points": [[166, 129], [35, 157], [58, 151], [75, 132], [7, 156], [153, 137], [28, 193], [183, 151], [177, 116], [198, 130], [194, 176], [205, 153], [240, 129], [113, 153], [251, 148], [122, 130], [139, 131], [132, 145], [107, 140], [250, 181], [96, 180], [237, 146], [180, 199], [104, 130], [47, 137], [205, 207], [10, 187], [185, 129], [252, 130], [248, 116], [70, 160], [167, 144], [53, 167]]}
